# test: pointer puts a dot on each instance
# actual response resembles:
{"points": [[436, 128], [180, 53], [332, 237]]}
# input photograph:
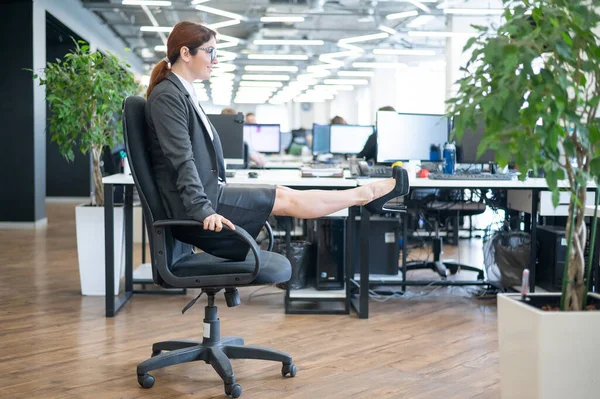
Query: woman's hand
{"points": [[215, 223]]}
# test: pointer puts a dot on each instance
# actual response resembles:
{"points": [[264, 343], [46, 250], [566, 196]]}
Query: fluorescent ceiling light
{"points": [[289, 57], [221, 36], [420, 21], [224, 67], [282, 19], [364, 38], [222, 13], [419, 33], [346, 81], [394, 51], [379, 65], [265, 77], [223, 24], [226, 44], [334, 87], [356, 73], [194, 2], [260, 84], [271, 68], [420, 5], [387, 30], [156, 3], [160, 48], [474, 11], [165, 29], [401, 15], [290, 42]]}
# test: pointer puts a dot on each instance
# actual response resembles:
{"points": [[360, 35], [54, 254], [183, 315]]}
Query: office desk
{"points": [[289, 178], [535, 185]]}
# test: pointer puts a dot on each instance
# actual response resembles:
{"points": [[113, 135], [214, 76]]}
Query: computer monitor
{"points": [[321, 138], [230, 129], [263, 138], [348, 139], [402, 137], [466, 147], [286, 140]]}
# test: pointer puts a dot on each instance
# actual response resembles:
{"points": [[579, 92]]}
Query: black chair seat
{"points": [[275, 268]]}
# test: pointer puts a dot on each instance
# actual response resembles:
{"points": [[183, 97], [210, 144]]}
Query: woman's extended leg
{"points": [[310, 204]]}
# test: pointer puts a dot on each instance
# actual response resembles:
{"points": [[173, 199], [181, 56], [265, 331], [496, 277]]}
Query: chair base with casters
{"points": [[213, 350], [442, 267]]}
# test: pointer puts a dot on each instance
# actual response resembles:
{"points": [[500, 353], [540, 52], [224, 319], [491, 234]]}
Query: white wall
{"points": [[87, 25]]}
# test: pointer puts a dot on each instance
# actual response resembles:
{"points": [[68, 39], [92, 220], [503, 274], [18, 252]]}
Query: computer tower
{"points": [[329, 235], [552, 252], [384, 249]]}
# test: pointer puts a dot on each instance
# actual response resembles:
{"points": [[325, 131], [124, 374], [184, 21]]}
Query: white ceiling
{"points": [[326, 20]]}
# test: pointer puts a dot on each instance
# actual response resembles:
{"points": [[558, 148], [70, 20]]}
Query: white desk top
{"points": [[530, 183], [292, 178], [285, 177]]}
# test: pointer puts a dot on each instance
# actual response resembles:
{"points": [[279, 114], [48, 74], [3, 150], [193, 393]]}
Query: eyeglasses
{"points": [[212, 52]]}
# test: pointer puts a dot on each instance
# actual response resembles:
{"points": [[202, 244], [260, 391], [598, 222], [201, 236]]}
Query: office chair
{"points": [[175, 266], [448, 210]]}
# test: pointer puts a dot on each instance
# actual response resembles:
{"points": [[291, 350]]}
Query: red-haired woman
{"points": [[187, 158]]}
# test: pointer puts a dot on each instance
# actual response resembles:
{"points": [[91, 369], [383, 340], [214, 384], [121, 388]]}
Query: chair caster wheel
{"points": [[155, 353], [146, 381], [288, 369], [233, 390]]}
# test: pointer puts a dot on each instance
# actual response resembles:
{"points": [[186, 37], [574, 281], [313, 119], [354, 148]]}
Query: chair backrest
{"points": [[135, 131]]}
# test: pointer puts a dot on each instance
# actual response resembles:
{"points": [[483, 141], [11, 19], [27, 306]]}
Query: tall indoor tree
{"points": [[85, 92], [535, 82]]}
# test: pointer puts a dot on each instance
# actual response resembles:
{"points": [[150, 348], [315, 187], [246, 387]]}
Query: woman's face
{"points": [[201, 64]]}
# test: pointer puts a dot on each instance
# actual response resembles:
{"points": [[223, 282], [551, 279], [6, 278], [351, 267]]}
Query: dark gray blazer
{"points": [[186, 163]]}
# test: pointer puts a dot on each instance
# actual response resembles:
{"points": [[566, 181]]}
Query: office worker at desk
{"points": [[255, 156], [369, 151], [187, 158]]}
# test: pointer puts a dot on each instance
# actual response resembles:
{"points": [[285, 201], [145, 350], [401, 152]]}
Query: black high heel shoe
{"points": [[402, 188]]}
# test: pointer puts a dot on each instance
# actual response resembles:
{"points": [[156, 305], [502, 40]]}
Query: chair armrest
{"points": [[270, 235], [241, 234]]}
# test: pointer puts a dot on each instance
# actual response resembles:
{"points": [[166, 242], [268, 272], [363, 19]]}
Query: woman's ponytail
{"points": [[159, 73]]}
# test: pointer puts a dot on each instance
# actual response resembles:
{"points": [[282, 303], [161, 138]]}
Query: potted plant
{"points": [[535, 82], [84, 92]]}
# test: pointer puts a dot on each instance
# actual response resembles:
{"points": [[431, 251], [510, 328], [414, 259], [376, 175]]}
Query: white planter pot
{"points": [[547, 355], [90, 248]]}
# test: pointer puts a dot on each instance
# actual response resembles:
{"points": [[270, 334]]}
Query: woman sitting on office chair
{"points": [[187, 158]]}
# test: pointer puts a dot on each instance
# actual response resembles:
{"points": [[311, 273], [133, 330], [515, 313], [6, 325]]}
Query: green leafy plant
{"points": [[85, 92], [535, 82]]}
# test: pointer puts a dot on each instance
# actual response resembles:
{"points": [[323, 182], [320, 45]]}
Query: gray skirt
{"points": [[245, 205]]}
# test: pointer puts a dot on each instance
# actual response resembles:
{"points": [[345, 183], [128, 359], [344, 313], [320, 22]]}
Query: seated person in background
{"points": [[255, 156], [299, 142], [250, 117], [338, 120], [228, 111], [188, 167], [369, 151]]}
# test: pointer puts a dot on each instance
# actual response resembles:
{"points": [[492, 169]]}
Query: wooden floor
{"points": [[435, 343]]}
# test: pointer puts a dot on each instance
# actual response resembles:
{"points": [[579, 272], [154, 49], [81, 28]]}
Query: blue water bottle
{"points": [[449, 158]]}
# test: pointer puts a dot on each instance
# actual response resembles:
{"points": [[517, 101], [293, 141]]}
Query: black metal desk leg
{"points": [[533, 254], [404, 249], [349, 248], [109, 249], [143, 238], [365, 217], [128, 238]]}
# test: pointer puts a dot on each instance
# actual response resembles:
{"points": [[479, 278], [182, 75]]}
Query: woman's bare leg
{"points": [[310, 204]]}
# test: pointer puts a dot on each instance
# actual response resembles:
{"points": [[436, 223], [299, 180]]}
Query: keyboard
{"points": [[474, 176], [380, 171]]}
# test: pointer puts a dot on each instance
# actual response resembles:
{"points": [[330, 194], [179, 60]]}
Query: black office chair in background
{"points": [[447, 209], [174, 265]]}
